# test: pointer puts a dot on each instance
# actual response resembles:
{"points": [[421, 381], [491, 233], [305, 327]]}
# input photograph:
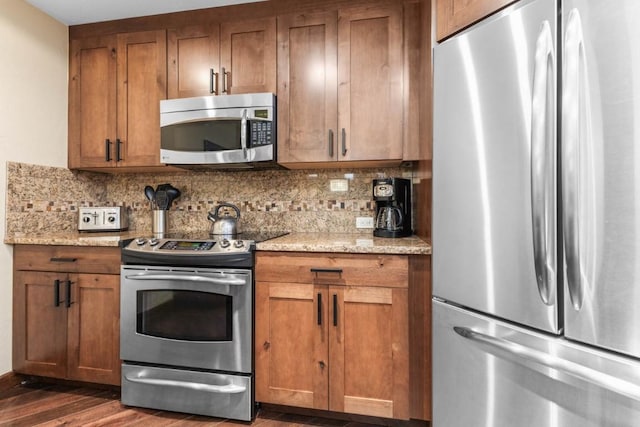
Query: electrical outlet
{"points": [[364, 222], [339, 185]]}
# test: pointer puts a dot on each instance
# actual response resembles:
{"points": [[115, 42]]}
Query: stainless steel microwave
{"points": [[219, 131]]}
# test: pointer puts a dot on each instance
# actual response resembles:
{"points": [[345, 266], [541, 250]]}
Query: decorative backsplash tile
{"points": [[46, 199]]}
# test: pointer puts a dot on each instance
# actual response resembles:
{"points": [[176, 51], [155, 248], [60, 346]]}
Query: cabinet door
{"points": [[369, 351], [248, 56], [92, 102], [142, 83], [39, 324], [454, 15], [307, 87], [292, 363], [193, 61], [94, 329], [370, 74]]}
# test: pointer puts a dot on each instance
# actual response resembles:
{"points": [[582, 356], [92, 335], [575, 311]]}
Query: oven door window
{"points": [[184, 315], [202, 136]]}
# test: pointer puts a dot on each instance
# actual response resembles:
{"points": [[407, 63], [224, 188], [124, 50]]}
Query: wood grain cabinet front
{"points": [[340, 86], [66, 322], [220, 59], [454, 15], [332, 332], [115, 87]]}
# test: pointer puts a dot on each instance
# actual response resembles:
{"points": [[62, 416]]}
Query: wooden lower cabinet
{"points": [[66, 324], [333, 338]]}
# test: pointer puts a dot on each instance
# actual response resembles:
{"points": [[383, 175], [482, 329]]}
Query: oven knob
{"points": [[86, 219], [111, 219], [224, 243], [238, 244], [141, 241], [153, 241]]}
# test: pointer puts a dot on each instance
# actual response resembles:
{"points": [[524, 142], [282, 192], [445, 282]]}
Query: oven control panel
{"points": [[180, 247]]}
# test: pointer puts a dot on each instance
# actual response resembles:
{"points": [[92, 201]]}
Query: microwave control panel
{"points": [[261, 133]]}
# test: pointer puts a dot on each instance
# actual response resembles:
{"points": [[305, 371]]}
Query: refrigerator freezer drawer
{"points": [[490, 373]]}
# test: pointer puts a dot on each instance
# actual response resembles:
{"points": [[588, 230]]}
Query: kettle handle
{"points": [[228, 205]]}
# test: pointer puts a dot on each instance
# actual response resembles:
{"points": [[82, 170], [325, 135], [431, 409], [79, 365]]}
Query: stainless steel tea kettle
{"points": [[224, 224]]}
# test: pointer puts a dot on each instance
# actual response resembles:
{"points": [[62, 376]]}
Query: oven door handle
{"points": [[189, 278], [189, 385]]}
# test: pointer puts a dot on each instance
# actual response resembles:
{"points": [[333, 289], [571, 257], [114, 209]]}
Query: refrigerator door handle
{"points": [[597, 378], [543, 165], [571, 104]]}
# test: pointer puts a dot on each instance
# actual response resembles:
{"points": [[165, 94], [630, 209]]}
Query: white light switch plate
{"points": [[364, 222], [339, 185]]}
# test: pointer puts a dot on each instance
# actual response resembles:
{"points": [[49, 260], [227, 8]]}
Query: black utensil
{"points": [[162, 200], [151, 195]]}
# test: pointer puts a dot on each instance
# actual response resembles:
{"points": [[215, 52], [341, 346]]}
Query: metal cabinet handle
{"points": [[527, 354], [224, 80], [331, 143], [107, 150], [543, 165], [118, 150], [335, 309], [319, 309], [68, 283], [56, 293], [224, 389], [213, 82], [344, 142]]}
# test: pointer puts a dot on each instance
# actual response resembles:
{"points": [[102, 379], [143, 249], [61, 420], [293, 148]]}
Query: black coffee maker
{"points": [[393, 207]]}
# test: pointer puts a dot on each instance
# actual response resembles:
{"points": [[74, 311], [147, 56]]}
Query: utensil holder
{"points": [[160, 222]]}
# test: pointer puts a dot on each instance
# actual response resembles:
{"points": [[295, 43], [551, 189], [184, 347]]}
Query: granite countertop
{"points": [[347, 243], [71, 238], [293, 242]]}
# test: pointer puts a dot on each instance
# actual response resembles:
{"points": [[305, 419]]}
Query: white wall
{"points": [[33, 116]]}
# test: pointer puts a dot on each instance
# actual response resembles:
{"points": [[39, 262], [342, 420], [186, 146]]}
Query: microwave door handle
{"points": [[243, 133]]}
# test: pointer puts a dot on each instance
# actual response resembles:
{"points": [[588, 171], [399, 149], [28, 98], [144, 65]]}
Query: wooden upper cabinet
{"points": [[340, 88], [454, 15], [142, 83], [193, 58], [248, 56], [307, 87], [230, 58], [92, 102], [370, 72], [116, 86]]}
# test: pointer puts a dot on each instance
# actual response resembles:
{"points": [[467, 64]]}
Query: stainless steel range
{"points": [[186, 328]]}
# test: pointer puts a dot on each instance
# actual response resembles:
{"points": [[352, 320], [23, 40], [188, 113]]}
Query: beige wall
{"points": [[33, 115]]}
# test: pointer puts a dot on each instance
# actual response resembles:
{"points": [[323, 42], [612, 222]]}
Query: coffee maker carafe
{"points": [[393, 207]]}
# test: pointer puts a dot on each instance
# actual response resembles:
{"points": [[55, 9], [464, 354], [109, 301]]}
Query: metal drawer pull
{"points": [[319, 309], [335, 310], [226, 389], [527, 354], [326, 270], [215, 281], [55, 259]]}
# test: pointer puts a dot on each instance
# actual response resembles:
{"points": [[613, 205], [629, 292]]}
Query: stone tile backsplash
{"points": [[46, 199]]}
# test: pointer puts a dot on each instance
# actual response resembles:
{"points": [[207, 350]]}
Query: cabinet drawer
{"points": [[72, 259], [329, 268]]}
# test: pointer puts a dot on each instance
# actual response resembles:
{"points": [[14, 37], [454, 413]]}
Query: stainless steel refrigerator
{"points": [[536, 222]]}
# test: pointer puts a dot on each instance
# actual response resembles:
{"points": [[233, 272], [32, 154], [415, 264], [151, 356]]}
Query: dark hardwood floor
{"points": [[48, 405]]}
